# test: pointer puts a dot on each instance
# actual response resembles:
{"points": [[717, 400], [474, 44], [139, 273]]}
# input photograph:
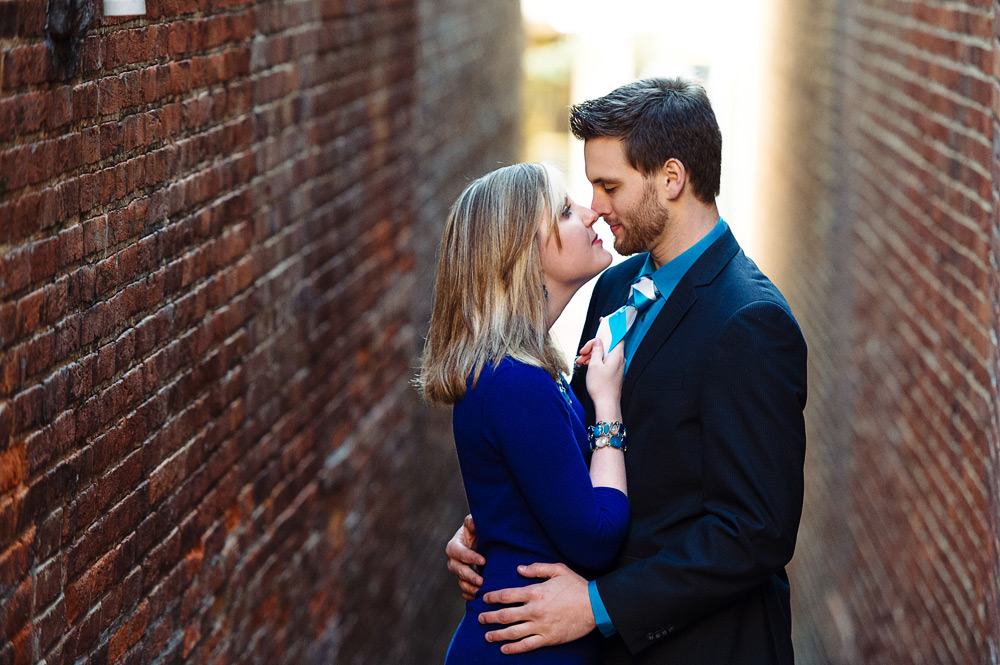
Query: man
{"points": [[713, 395]]}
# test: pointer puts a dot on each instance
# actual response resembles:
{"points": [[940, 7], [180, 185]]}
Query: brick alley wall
{"points": [[214, 225], [882, 208]]}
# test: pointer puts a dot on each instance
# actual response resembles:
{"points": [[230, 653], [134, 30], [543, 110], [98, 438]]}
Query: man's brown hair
{"points": [[659, 119]]}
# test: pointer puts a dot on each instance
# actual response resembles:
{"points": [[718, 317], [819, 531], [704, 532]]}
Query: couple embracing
{"points": [[646, 512]]}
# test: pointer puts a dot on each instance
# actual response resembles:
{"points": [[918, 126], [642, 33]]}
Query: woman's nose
{"points": [[590, 217]]}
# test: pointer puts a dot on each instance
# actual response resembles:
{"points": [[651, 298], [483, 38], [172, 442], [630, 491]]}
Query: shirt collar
{"points": [[671, 272]]}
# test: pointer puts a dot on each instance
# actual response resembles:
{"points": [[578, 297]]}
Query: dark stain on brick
{"points": [[8, 18], [68, 21]]}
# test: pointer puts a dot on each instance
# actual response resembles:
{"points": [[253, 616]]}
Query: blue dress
{"points": [[521, 445]]}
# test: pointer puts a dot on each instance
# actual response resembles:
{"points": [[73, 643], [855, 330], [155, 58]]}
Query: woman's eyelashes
{"points": [[567, 209]]}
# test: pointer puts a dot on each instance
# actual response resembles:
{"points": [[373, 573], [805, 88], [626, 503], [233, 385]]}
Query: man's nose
{"points": [[601, 205]]}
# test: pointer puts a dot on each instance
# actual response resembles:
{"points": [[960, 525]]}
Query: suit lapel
{"points": [[703, 272]]}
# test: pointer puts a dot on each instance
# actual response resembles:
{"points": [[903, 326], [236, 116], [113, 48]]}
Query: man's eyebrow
{"points": [[602, 181]]}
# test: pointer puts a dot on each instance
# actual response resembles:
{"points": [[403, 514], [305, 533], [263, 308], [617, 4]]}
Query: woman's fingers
{"points": [[465, 573]]}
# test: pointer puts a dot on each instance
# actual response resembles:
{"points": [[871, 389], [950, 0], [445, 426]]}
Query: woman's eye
{"points": [[566, 211]]}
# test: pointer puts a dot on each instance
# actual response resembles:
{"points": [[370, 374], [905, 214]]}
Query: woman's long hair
{"points": [[489, 300]]}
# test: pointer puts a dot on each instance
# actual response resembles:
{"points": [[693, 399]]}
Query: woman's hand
{"points": [[604, 374], [462, 556], [586, 351]]}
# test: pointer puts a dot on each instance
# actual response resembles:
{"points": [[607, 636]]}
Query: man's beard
{"points": [[645, 223]]}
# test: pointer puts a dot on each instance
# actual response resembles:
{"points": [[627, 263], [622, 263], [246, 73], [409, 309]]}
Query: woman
{"points": [[515, 250]]}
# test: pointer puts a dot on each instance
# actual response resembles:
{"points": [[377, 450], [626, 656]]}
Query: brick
{"points": [[56, 297], [91, 54], [48, 584], [16, 609], [95, 235], [28, 408], [67, 201], [51, 625], [12, 371], [14, 565], [25, 65], [49, 536], [105, 367], [88, 629], [60, 108], [111, 96], [23, 645], [6, 423], [12, 468], [85, 102], [43, 259], [27, 216], [31, 18], [110, 144], [29, 312], [106, 275], [56, 394], [70, 246], [77, 597], [90, 147], [26, 111], [15, 270]]}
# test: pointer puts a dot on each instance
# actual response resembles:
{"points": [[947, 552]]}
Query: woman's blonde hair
{"points": [[489, 299]]}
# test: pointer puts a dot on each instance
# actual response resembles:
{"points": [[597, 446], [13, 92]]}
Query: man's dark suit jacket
{"points": [[712, 402]]}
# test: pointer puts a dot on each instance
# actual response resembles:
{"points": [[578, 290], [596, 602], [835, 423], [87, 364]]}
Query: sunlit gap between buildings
{"points": [[580, 49]]}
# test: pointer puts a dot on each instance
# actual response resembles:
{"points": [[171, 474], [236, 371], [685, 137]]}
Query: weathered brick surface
{"points": [[215, 242], [885, 235]]}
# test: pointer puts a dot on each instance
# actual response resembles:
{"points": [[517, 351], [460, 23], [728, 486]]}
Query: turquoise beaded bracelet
{"points": [[605, 434]]}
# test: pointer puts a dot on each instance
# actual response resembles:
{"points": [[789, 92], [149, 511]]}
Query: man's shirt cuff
{"points": [[600, 613]]}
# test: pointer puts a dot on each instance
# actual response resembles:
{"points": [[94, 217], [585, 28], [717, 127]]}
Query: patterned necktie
{"points": [[613, 327]]}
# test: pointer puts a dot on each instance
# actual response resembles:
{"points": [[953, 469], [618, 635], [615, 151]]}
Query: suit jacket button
{"points": [[670, 629]]}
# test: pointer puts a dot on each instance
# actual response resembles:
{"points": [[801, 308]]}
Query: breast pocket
{"points": [[660, 394]]}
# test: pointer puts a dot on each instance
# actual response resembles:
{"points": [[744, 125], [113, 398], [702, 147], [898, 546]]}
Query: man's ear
{"points": [[673, 177]]}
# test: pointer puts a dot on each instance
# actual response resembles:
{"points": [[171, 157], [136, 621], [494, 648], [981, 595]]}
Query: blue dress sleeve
{"points": [[528, 421]]}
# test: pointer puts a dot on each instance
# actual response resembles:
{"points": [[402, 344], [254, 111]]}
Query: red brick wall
{"points": [[211, 300], [993, 429], [884, 221]]}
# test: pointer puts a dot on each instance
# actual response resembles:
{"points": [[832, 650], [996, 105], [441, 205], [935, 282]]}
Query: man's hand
{"points": [[462, 556], [554, 612]]}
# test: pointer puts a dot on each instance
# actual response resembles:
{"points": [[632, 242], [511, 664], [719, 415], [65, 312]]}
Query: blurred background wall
{"points": [[879, 191], [218, 223]]}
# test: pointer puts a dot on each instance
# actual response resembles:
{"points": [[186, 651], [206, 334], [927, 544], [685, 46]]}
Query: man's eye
{"points": [[608, 189]]}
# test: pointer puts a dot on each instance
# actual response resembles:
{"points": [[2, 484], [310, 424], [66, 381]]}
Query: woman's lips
{"points": [[596, 240]]}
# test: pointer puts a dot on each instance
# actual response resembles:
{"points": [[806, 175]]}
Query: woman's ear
{"points": [[673, 177]]}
